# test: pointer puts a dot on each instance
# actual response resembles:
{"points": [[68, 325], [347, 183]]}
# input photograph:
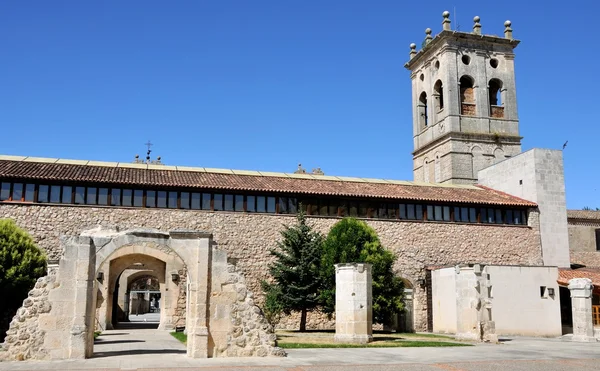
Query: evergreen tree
{"points": [[353, 241], [295, 272], [21, 264]]}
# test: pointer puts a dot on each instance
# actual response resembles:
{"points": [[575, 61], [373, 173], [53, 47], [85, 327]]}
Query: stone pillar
{"points": [[581, 302], [353, 303]]}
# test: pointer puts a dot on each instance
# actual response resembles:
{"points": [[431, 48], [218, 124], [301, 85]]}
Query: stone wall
{"points": [[247, 239], [25, 338]]}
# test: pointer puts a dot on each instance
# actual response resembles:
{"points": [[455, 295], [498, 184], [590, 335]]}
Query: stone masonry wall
{"points": [[247, 239]]}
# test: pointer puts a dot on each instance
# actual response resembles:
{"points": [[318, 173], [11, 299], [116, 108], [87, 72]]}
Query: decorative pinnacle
{"points": [[477, 25], [508, 30], [413, 50], [428, 38], [446, 22]]}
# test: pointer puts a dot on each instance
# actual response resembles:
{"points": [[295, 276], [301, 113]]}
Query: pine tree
{"points": [[21, 264], [295, 272], [353, 241]]}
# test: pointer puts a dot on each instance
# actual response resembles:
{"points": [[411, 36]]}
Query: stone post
{"points": [[581, 302], [353, 303]]}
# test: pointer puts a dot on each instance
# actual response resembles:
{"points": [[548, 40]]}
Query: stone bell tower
{"points": [[464, 103]]}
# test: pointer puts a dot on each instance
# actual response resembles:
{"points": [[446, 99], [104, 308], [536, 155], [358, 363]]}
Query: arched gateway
{"points": [[60, 315]]}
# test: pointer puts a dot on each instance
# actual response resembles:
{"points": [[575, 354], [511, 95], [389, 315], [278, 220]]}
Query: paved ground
{"points": [[153, 350]]}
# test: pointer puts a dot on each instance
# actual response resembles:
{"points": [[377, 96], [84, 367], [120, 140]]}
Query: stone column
{"points": [[581, 302], [353, 303]]}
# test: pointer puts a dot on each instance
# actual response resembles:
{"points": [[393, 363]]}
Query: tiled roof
{"points": [[202, 178], [564, 275], [583, 214]]}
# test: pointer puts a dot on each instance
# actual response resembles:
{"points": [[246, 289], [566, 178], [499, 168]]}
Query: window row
{"points": [[217, 201]]}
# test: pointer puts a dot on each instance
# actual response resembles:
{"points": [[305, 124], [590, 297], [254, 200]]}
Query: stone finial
{"points": [[446, 22], [477, 25], [508, 30], [300, 170], [318, 171], [428, 38], [413, 50]]}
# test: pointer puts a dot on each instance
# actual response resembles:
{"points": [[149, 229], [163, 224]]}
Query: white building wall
{"points": [[537, 175], [518, 306], [444, 300]]}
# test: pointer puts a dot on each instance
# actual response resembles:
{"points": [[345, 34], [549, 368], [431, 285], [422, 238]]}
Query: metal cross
{"points": [[149, 144]]}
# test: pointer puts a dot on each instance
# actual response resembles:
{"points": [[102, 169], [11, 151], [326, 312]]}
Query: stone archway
{"points": [[221, 318]]}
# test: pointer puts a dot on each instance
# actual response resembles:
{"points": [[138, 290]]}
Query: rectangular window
{"points": [[473, 215], [138, 198], [271, 204], [161, 199], [430, 213], [67, 194], [362, 209], [150, 198], [127, 197], [403, 212], [30, 192], [217, 202], [196, 200], [333, 207], [509, 217], [343, 208], [419, 212], [499, 218], [172, 200], [17, 193], [228, 203], [483, 216], [393, 211], [597, 239], [372, 211], [490, 216], [261, 204], [383, 211], [4, 191], [283, 205], [251, 204], [323, 207], [91, 195], [353, 209], [239, 203], [43, 193], [79, 195], [446, 216], [410, 212], [438, 213], [115, 197], [185, 200], [206, 201], [102, 196], [293, 205]]}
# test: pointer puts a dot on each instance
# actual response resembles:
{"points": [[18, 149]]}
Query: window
{"points": [[17, 193], [29, 192], [402, 213], [438, 95], [4, 191], [172, 200], [138, 198], [410, 212], [499, 218], [43, 193], [383, 211], [239, 203], [185, 200], [206, 201], [67, 194], [293, 205], [91, 195], [261, 204], [467, 96], [283, 205], [495, 88], [597, 239], [343, 208], [150, 198], [199, 200], [323, 208], [127, 197], [102, 196], [79, 195], [422, 110], [115, 197], [363, 209], [353, 209], [446, 213], [218, 202], [393, 211], [251, 204], [228, 203], [271, 204], [161, 199]]}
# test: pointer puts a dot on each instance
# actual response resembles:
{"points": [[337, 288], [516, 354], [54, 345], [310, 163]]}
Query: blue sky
{"points": [[264, 85]]}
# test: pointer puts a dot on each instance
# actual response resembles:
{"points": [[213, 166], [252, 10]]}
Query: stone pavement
{"points": [[153, 350]]}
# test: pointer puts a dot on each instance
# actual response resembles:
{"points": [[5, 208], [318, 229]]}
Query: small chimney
{"points": [[446, 22]]}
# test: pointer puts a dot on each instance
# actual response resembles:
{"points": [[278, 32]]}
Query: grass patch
{"points": [[381, 344], [180, 336], [96, 334]]}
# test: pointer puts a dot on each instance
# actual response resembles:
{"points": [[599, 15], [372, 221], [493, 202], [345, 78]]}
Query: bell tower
{"points": [[464, 103]]}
